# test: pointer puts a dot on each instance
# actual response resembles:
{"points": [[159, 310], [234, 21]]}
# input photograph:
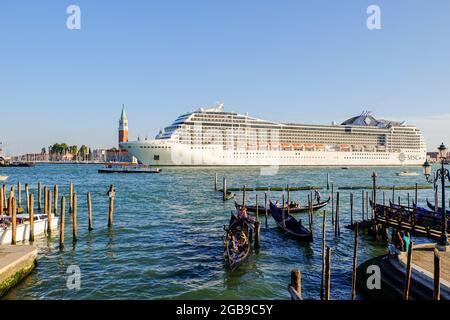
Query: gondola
{"points": [[292, 209], [432, 207], [291, 226], [236, 242], [421, 216], [414, 208]]}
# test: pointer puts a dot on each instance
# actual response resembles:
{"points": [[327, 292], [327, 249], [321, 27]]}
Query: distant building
{"points": [[123, 127], [432, 156], [119, 154], [99, 155]]}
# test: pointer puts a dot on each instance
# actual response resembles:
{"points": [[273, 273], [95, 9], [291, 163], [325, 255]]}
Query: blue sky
{"points": [[302, 61]]}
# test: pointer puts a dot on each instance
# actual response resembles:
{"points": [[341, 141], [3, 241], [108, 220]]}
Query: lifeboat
{"points": [[344, 147], [320, 146], [263, 146], [274, 146], [309, 145], [286, 146], [297, 146]]}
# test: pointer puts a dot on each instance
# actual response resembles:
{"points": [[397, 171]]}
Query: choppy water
{"points": [[166, 241]]}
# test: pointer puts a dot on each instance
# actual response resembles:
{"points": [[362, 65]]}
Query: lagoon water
{"points": [[166, 239]]}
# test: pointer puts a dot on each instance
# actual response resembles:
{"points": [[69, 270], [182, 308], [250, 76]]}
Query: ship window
{"points": [[156, 157]]}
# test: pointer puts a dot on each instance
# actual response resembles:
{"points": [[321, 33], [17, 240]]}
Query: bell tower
{"points": [[123, 127]]}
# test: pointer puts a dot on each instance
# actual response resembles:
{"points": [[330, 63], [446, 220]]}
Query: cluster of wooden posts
{"points": [[368, 222], [12, 205]]}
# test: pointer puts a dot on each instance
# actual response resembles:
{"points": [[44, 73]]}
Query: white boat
{"points": [[23, 227], [3, 178], [214, 137], [128, 168], [407, 174]]}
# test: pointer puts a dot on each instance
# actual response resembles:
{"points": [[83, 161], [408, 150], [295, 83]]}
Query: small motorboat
{"points": [[407, 174], [128, 168], [290, 225], [3, 178]]}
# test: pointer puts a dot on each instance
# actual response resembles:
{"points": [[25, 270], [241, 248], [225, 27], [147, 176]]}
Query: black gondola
{"points": [[432, 207], [236, 242], [291, 226], [292, 209]]}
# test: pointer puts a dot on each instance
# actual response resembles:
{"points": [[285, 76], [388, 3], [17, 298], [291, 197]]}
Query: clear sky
{"points": [[303, 61]]}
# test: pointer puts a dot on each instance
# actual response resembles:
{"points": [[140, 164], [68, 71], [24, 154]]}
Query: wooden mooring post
{"points": [[408, 200], [393, 194], [19, 195], [295, 287], [257, 234], [327, 274], [337, 230], [265, 207], [27, 198], [39, 196], [31, 212], [215, 181], [351, 209], [56, 196], [111, 195], [62, 223], [49, 212], [5, 204], [74, 218], [367, 205], [2, 209], [324, 236], [13, 220], [408, 272], [70, 197], [310, 213], [288, 199], [89, 206], [45, 200], [355, 262], [256, 207], [416, 196], [362, 211], [437, 276], [224, 189], [332, 204]]}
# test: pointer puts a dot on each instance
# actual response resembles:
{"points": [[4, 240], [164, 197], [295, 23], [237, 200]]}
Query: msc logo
{"points": [[401, 157]]}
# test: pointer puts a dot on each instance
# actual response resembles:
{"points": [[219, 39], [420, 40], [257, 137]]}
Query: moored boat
{"points": [[292, 208], [290, 225], [3, 178], [407, 174], [236, 242], [23, 227], [433, 208], [128, 168]]}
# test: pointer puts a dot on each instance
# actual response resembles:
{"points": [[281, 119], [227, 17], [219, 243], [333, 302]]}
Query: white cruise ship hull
{"points": [[168, 153]]}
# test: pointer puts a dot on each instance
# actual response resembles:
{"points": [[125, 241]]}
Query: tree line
{"points": [[59, 151]]}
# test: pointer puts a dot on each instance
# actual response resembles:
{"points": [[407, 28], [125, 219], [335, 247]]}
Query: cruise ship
{"points": [[214, 137]]}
